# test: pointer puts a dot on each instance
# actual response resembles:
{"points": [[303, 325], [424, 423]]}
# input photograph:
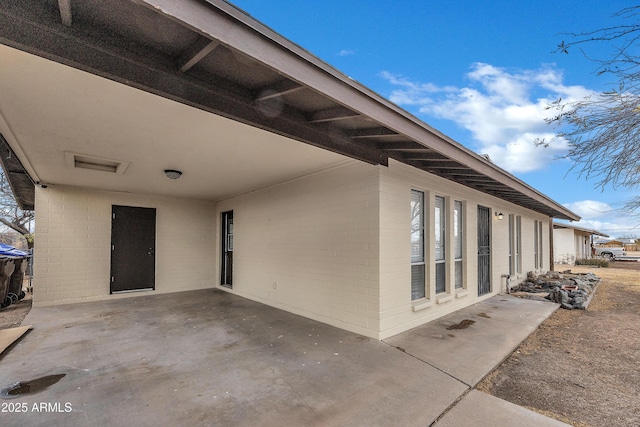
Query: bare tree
{"points": [[10, 213], [603, 129]]}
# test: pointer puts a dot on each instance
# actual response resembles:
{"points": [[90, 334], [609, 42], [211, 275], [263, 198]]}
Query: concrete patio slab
{"points": [[488, 410], [471, 342], [212, 358], [10, 336]]}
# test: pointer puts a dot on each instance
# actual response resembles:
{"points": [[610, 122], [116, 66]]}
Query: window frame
{"points": [[537, 245], [418, 264], [536, 242], [440, 238], [512, 226], [518, 248], [458, 244]]}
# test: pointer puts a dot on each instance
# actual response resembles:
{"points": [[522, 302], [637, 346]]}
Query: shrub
{"points": [[596, 262]]}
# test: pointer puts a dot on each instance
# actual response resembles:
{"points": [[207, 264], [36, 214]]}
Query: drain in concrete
{"points": [[22, 388], [462, 325]]}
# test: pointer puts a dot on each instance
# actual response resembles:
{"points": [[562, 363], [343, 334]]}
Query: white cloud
{"points": [[346, 52], [503, 109], [603, 217], [521, 154], [592, 209], [413, 88]]}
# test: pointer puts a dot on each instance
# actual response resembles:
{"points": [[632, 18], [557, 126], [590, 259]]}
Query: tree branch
{"points": [[15, 227], [603, 130]]}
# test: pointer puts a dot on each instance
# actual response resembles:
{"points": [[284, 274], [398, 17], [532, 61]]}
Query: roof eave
{"points": [[219, 21], [573, 227]]}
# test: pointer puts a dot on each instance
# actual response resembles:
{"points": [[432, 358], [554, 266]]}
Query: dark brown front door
{"points": [[133, 249], [226, 269]]}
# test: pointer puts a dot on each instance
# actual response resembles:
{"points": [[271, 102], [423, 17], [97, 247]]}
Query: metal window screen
{"points": [[417, 282], [417, 245]]}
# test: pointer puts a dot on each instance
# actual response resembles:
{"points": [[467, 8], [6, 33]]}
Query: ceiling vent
{"points": [[82, 161]]}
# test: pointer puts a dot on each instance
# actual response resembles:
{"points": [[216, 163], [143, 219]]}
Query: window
{"points": [[518, 248], [512, 267], [417, 245], [440, 244], [457, 242], [540, 247], [537, 243]]}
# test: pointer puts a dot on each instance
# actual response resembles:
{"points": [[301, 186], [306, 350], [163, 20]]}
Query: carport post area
{"points": [[345, 208], [211, 358]]}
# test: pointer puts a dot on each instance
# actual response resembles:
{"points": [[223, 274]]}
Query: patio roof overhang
{"points": [[21, 184], [214, 57], [582, 229]]}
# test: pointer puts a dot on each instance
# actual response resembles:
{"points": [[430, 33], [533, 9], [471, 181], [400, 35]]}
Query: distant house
{"points": [[628, 244], [177, 145], [571, 243], [611, 243]]}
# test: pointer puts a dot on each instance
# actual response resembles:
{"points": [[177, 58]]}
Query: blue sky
{"points": [[479, 71]]}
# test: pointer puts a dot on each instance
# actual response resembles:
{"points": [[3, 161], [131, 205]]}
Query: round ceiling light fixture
{"points": [[172, 173]]}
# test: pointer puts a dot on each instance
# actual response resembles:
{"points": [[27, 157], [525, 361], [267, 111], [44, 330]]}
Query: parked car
{"points": [[610, 251]]}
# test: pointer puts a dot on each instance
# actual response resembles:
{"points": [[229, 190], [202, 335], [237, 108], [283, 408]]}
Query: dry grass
{"points": [[581, 367]]}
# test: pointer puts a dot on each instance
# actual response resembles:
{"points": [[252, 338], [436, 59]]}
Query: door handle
{"points": [[151, 251]]}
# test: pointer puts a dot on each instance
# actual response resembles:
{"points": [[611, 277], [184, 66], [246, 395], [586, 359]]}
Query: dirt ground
{"points": [[582, 367], [12, 316]]}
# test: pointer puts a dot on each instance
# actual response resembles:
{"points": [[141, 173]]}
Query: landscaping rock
{"points": [[540, 283], [559, 296], [536, 296], [569, 290]]}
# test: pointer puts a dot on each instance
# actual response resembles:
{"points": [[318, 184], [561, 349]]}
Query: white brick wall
{"points": [[333, 246], [564, 246], [73, 240], [396, 308], [310, 246]]}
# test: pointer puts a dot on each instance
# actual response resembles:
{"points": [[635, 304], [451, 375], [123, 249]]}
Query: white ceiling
{"points": [[47, 109]]}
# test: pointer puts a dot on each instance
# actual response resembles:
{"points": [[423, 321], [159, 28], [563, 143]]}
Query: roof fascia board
{"points": [[265, 45], [573, 227]]}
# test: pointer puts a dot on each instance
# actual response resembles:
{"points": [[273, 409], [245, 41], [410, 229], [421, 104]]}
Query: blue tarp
{"points": [[8, 250]]}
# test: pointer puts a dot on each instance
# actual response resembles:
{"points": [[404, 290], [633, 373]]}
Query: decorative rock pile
{"points": [[570, 290]]}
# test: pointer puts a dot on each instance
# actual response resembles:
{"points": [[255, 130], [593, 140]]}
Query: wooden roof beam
{"points": [[474, 177], [425, 155], [132, 65], [65, 12], [220, 20], [278, 90], [380, 132], [333, 115], [446, 165], [408, 146], [481, 181], [196, 53]]}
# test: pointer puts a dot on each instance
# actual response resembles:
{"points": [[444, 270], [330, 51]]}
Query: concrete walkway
{"points": [[209, 358], [469, 353]]}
